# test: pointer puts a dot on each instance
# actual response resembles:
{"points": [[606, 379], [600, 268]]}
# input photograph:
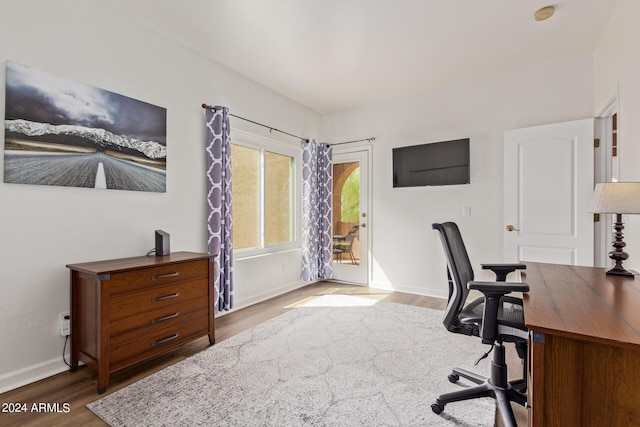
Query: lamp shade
{"points": [[616, 198]]}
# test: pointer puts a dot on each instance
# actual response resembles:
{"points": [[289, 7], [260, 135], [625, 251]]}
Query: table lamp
{"points": [[617, 198]]}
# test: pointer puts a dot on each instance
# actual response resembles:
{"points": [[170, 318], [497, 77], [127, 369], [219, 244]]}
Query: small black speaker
{"points": [[162, 243]]}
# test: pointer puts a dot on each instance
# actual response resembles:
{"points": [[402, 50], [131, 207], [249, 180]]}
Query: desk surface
{"points": [[584, 303]]}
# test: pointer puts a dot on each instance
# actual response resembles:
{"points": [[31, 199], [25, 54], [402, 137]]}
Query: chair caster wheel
{"points": [[437, 408], [453, 378]]}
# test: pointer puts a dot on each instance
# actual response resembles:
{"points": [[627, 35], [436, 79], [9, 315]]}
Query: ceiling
{"points": [[332, 55]]}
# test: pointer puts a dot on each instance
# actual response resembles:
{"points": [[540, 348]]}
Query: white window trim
{"points": [[249, 140]]}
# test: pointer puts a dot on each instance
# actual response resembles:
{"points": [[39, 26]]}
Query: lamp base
{"points": [[618, 254], [620, 271]]}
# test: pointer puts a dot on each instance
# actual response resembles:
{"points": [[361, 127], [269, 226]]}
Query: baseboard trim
{"points": [[32, 373], [436, 293], [243, 303]]}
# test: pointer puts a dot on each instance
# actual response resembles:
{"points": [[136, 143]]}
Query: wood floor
{"points": [[79, 388]]}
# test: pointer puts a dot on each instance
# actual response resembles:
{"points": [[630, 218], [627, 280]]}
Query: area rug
{"points": [[336, 361]]}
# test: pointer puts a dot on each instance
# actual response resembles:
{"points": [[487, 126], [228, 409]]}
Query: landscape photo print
{"points": [[59, 132]]}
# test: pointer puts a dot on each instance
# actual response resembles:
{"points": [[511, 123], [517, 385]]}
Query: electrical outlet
{"points": [[64, 323]]}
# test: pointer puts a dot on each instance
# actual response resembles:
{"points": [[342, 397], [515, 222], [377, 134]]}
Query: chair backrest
{"points": [[351, 235], [459, 272]]}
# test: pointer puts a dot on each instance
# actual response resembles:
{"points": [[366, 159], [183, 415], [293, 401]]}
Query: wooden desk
{"points": [[584, 365]]}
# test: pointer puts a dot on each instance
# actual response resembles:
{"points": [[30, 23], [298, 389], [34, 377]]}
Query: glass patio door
{"points": [[350, 217]]}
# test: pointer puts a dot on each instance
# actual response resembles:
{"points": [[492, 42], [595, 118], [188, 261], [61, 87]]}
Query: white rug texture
{"points": [[336, 361]]}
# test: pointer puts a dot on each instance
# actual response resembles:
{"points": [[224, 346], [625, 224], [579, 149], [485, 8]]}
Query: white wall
{"points": [[617, 68], [406, 252], [45, 228]]}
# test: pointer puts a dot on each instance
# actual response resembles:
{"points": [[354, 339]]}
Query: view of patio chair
{"points": [[344, 245]]}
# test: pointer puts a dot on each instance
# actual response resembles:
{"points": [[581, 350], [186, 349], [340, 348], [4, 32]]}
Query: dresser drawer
{"points": [[157, 276], [160, 340], [129, 328], [155, 298]]}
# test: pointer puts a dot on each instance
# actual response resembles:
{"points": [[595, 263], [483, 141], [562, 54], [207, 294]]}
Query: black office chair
{"points": [[495, 317]]}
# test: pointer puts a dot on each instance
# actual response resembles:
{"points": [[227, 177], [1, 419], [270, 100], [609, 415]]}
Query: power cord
{"points": [[152, 251], [484, 356], [64, 349]]}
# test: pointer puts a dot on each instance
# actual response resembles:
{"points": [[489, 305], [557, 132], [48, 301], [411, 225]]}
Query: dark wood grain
{"points": [[117, 305], [153, 277], [575, 300], [136, 263], [586, 355]]}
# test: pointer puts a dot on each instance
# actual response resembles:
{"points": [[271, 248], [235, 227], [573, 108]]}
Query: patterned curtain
{"points": [[219, 204], [317, 182]]}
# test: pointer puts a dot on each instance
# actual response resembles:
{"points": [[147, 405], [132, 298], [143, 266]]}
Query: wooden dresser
{"points": [[127, 310]]}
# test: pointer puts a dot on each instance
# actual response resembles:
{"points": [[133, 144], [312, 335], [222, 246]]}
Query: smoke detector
{"points": [[544, 13]]}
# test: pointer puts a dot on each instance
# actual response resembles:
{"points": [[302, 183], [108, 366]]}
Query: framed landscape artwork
{"points": [[59, 132]]}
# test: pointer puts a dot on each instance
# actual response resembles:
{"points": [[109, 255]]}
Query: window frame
{"points": [[256, 142]]}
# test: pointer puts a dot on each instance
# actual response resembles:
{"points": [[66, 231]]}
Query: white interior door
{"points": [[351, 216], [548, 183]]}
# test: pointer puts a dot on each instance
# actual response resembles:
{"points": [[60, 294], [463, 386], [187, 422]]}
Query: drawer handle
{"points": [[165, 276], [162, 319], [166, 297], [171, 338]]}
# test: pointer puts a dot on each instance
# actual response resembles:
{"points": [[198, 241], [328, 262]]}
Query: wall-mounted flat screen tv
{"points": [[437, 163]]}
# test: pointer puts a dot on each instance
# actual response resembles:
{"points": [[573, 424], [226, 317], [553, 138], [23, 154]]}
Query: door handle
{"points": [[511, 228]]}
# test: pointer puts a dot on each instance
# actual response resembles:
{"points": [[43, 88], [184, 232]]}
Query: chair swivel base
{"points": [[504, 392]]}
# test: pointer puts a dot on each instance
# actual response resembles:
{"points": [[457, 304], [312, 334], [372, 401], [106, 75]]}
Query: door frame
{"points": [[603, 172], [367, 150]]}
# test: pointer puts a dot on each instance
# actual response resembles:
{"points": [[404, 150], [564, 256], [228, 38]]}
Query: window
{"points": [[263, 191], [277, 198], [245, 193]]}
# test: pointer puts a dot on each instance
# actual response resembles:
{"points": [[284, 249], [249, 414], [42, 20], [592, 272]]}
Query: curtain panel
{"points": [[219, 224], [317, 188]]}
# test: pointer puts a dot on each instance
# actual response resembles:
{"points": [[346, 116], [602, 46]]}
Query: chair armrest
{"points": [[493, 294], [512, 300], [502, 270], [498, 288]]}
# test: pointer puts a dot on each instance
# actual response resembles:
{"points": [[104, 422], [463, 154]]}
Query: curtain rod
{"points": [[205, 106]]}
